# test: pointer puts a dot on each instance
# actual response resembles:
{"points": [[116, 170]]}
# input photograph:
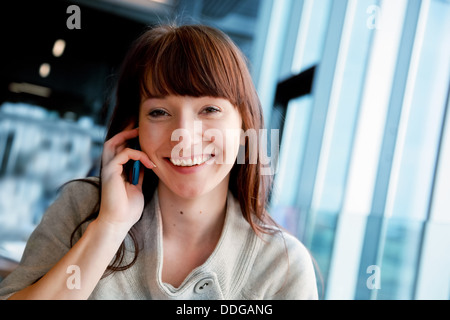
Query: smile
{"points": [[190, 162]]}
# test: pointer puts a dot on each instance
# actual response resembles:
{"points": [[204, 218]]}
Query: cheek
{"points": [[224, 144], [232, 142], [150, 138]]}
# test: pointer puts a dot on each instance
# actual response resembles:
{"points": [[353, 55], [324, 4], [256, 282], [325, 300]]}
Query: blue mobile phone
{"points": [[136, 164], [135, 174]]}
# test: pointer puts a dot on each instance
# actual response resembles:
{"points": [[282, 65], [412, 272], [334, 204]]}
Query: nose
{"points": [[187, 136]]}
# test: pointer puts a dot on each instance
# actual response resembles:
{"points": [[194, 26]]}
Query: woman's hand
{"points": [[122, 203]]}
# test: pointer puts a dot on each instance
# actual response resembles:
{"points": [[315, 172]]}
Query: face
{"points": [[193, 141]]}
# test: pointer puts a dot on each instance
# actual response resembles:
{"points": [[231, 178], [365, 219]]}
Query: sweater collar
{"points": [[220, 276]]}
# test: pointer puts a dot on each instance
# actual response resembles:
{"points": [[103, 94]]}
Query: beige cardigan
{"points": [[242, 266]]}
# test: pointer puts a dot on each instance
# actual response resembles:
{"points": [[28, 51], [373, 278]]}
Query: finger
{"points": [[131, 154], [115, 166], [117, 143], [122, 137]]}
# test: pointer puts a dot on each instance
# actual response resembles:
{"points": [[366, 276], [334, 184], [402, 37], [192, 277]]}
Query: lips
{"points": [[190, 162]]}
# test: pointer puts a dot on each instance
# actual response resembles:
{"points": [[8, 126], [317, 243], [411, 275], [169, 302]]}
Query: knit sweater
{"points": [[242, 266]]}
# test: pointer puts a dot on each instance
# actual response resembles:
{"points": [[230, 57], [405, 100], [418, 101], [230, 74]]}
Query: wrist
{"points": [[109, 230]]}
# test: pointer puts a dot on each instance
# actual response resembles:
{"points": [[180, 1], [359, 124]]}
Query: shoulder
{"points": [[82, 188], [77, 199], [283, 246], [80, 195], [286, 266]]}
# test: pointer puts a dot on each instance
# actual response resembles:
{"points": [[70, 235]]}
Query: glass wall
{"points": [[39, 153], [363, 157]]}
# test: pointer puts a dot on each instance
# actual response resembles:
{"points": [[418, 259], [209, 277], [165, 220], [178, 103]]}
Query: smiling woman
{"points": [[193, 226]]}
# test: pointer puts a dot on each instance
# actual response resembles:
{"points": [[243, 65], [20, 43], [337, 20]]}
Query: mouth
{"points": [[191, 162]]}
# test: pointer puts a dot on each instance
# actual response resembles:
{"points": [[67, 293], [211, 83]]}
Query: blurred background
{"points": [[359, 89]]}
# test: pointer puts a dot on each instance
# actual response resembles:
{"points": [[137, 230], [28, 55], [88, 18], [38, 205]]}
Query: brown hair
{"points": [[193, 60]]}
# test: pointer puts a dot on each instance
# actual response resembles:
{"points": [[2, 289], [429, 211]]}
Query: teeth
{"points": [[190, 162]]}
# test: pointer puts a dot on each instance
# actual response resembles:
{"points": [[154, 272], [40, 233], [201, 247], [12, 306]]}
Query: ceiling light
{"points": [[44, 70], [58, 47]]}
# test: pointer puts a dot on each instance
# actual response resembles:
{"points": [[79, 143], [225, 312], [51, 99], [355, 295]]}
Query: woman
{"points": [[194, 226]]}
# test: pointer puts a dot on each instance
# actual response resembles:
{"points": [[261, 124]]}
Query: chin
{"points": [[194, 188], [191, 191]]}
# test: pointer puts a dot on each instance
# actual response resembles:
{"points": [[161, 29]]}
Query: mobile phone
{"points": [[135, 174], [136, 164]]}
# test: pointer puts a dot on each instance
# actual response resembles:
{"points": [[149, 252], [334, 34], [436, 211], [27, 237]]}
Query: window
{"points": [[364, 157]]}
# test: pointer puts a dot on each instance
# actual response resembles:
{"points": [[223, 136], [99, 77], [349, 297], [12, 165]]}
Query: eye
{"points": [[211, 109], [157, 113]]}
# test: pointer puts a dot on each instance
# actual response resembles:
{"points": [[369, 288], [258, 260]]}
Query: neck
{"points": [[193, 221]]}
